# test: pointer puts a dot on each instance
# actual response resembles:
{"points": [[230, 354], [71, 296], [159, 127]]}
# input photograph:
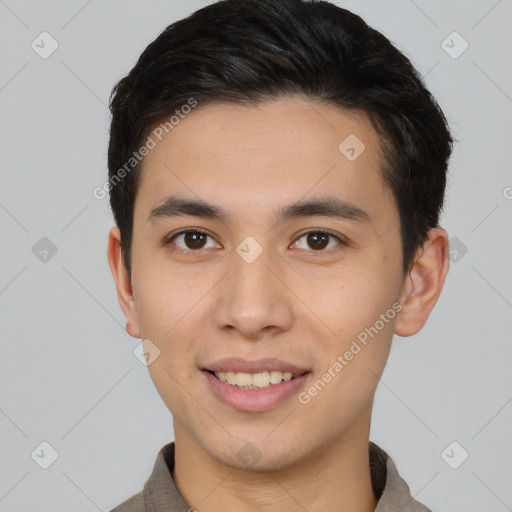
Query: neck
{"points": [[336, 478]]}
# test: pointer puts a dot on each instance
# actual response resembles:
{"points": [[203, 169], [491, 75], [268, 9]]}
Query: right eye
{"points": [[192, 240]]}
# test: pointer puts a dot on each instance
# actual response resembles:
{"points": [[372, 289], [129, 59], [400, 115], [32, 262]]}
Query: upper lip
{"points": [[237, 364]]}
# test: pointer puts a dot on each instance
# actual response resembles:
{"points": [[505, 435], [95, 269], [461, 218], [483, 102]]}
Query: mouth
{"points": [[255, 392], [259, 380]]}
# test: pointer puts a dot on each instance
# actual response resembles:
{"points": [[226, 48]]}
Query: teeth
{"points": [[230, 378], [243, 379], [276, 377], [254, 380]]}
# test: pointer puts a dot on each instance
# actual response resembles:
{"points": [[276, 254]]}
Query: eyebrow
{"points": [[175, 206]]}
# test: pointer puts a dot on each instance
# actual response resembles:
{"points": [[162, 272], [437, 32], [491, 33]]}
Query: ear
{"points": [[424, 283], [122, 281]]}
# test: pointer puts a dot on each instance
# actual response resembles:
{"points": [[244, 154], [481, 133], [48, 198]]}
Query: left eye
{"points": [[318, 240]]}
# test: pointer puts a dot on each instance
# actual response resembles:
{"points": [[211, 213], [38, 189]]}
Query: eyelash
{"points": [[319, 231]]}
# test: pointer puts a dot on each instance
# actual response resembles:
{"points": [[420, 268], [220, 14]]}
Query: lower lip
{"points": [[255, 400]]}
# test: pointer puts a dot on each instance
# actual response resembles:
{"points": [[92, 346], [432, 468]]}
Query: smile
{"points": [[258, 380], [255, 392]]}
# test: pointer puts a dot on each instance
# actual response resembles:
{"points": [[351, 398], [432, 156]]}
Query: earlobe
{"points": [[122, 282], [424, 283]]}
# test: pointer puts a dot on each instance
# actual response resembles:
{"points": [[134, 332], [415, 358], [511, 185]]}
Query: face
{"points": [[290, 261]]}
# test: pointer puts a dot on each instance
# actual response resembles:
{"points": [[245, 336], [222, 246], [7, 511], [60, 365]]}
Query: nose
{"points": [[254, 300]]}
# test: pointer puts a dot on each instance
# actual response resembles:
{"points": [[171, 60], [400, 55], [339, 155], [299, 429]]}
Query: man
{"points": [[277, 171]]}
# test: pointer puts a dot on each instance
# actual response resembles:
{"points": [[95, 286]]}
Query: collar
{"points": [[160, 494]]}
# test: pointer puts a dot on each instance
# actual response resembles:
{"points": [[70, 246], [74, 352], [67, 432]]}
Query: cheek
{"points": [[358, 308], [173, 309], [349, 301], [164, 297], [178, 337]]}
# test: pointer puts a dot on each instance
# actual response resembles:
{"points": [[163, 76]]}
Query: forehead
{"points": [[276, 151], [287, 127]]}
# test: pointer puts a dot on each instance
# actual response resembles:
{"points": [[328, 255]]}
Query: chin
{"points": [[255, 453]]}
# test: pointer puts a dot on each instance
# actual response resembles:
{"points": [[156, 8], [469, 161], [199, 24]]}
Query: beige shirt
{"points": [[161, 495]]}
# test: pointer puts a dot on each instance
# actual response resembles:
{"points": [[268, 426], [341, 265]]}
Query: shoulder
{"points": [[159, 493], [134, 504], [393, 490]]}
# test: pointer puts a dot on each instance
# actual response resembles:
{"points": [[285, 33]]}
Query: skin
{"points": [[294, 302]]}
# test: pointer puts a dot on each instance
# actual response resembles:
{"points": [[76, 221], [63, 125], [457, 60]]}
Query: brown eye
{"points": [[318, 241], [192, 240]]}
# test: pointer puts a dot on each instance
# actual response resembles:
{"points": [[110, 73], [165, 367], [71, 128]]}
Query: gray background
{"points": [[68, 375]]}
